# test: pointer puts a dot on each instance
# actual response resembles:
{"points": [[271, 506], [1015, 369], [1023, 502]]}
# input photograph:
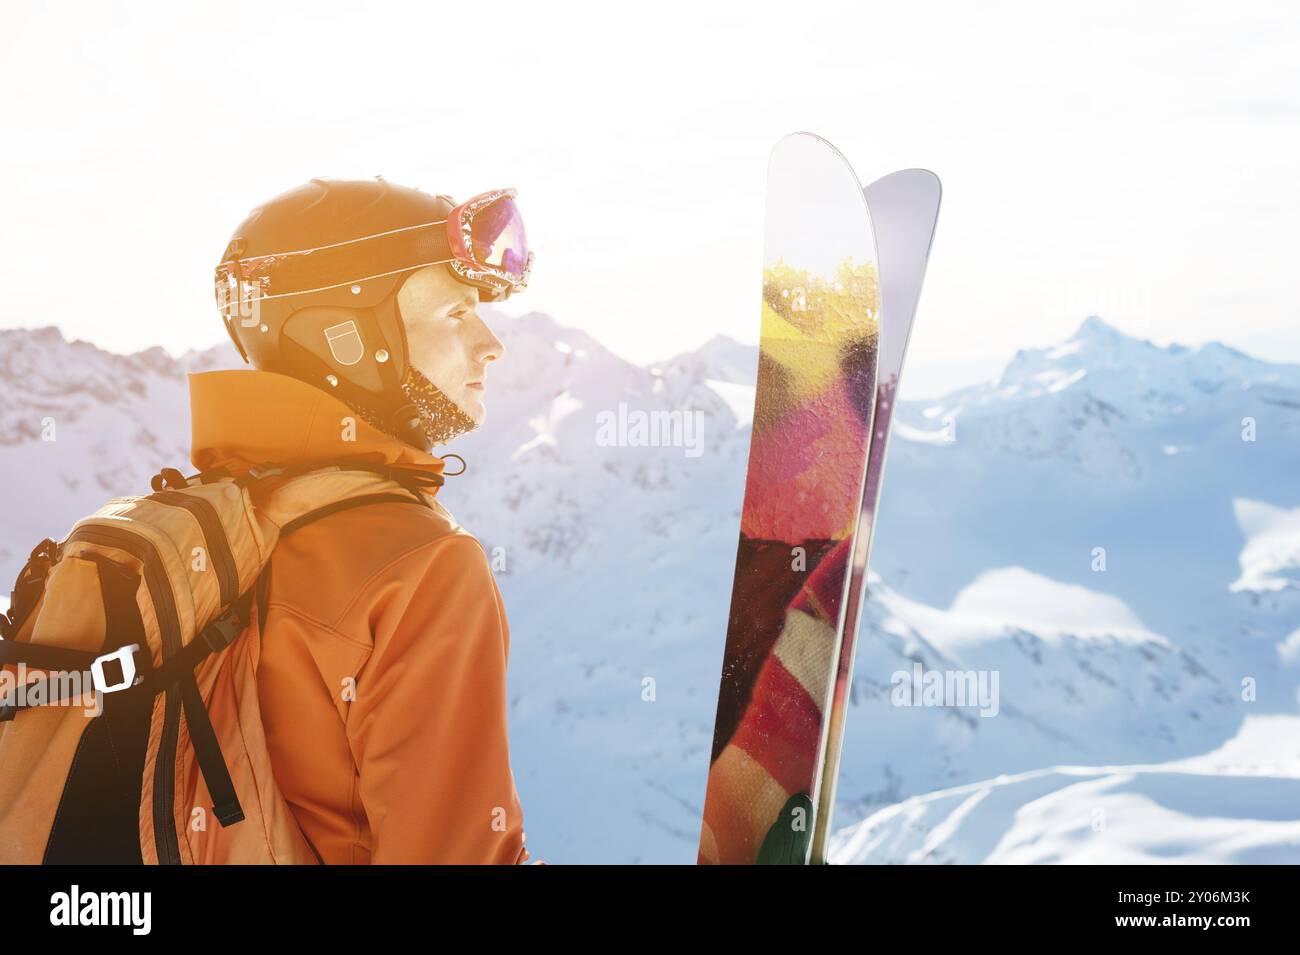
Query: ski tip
{"points": [[917, 175], [802, 138], [804, 135], [922, 187], [928, 174], [804, 132]]}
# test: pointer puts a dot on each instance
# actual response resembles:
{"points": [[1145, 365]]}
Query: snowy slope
{"points": [[1236, 805], [1093, 528], [1079, 678], [616, 561]]}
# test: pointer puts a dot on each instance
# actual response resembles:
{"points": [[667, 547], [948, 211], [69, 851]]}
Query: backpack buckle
{"points": [[222, 632], [125, 657]]}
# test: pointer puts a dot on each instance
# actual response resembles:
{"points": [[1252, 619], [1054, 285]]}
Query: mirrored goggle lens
{"points": [[497, 234]]}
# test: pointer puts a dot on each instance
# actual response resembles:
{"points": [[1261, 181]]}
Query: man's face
{"points": [[446, 339]]}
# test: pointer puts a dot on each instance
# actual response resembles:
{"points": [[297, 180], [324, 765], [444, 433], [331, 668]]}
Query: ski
{"points": [[904, 210], [813, 402], [803, 544]]}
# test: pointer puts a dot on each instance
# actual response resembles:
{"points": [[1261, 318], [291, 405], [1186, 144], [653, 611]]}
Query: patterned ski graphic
{"points": [[813, 408]]}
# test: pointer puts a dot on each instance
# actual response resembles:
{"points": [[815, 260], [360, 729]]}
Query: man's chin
{"points": [[473, 408]]}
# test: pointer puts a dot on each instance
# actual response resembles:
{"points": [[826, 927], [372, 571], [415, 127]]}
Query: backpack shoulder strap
{"points": [[263, 578]]}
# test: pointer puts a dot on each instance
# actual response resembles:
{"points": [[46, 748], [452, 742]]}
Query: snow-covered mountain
{"points": [[1112, 529], [79, 425], [1236, 805]]}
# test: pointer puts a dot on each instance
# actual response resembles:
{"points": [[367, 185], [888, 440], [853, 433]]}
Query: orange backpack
{"points": [[130, 729]]}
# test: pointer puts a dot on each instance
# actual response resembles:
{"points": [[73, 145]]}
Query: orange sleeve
{"points": [[427, 726]]}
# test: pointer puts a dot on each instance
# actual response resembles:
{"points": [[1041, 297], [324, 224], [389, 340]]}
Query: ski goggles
{"points": [[482, 240], [488, 245]]}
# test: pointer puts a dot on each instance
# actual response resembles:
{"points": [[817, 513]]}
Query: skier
{"points": [[383, 662]]}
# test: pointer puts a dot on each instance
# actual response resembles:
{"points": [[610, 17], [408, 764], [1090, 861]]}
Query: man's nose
{"points": [[490, 347]]}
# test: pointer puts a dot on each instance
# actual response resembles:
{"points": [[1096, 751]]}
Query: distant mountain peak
{"points": [[42, 334], [719, 340], [1099, 348], [1096, 336], [1094, 327]]}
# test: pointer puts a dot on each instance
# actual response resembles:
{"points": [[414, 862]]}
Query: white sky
{"points": [[1139, 161]]}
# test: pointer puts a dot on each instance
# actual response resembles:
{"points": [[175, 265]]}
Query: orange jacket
{"points": [[382, 674]]}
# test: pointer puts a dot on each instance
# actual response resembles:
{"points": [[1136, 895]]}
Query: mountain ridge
{"points": [[618, 559]]}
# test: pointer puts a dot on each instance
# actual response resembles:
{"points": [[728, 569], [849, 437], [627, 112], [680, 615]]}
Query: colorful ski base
{"points": [[810, 495], [813, 406]]}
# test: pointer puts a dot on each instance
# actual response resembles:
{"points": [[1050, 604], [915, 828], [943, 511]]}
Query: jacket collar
{"points": [[242, 419]]}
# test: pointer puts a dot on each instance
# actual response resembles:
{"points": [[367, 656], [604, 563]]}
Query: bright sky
{"points": [[1135, 160]]}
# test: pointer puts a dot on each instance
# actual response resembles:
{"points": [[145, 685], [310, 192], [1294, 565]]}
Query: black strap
{"points": [[207, 749], [123, 626], [409, 477], [126, 724], [381, 498], [28, 587], [180, 667], [218, 635], [13, 706], [260, 589], [52, 695], [41, 656]]}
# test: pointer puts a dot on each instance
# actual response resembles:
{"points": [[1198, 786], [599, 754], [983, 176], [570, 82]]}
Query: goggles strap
{"points": [[313, 269]]}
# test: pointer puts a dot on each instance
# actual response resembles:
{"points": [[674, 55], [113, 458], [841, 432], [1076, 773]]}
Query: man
{"points": [[384, 640]]}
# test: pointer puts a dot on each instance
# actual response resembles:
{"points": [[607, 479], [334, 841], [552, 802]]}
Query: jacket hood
{"points": [[245, 418]]}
